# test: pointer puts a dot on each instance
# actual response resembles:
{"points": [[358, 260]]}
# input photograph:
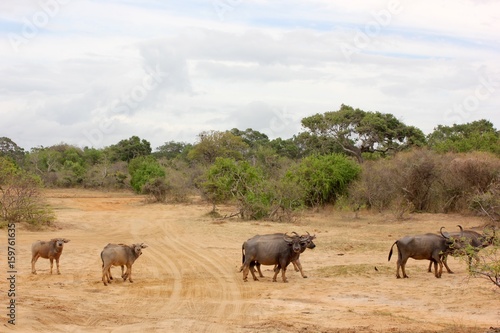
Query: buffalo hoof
{"points": [[305, 276]]}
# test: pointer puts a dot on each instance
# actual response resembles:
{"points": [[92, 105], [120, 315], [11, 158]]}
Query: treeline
{"points": [[350, 158]]}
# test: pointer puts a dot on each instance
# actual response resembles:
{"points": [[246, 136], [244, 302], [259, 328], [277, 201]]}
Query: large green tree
{"points": [[460, 138], [10, 149], [213, 144], [251, 137], [359, 132], [173, 149], [128, 149]]}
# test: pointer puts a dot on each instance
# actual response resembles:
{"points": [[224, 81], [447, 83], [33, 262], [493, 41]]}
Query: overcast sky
{"points": [[92, 73]]}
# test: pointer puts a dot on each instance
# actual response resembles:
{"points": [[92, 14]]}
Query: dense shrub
{"points": [[230, 179], [323, 177], [157, 189], [143, 170], [474, 180], [375, 187], [422, 180], [20, 197], [416, 174]]}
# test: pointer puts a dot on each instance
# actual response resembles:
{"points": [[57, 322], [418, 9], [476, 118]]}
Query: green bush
{"points": [[143, 170], [229, 179], [323, 177]]}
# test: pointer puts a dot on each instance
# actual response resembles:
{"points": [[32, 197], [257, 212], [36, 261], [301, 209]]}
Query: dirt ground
{"points": [[188, 279]]}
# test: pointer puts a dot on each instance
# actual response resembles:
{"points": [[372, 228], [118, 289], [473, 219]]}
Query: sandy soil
{"points": [[187, 280]]}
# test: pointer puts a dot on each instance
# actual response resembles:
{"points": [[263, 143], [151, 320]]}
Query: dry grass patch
{"points": [[351, 270]]}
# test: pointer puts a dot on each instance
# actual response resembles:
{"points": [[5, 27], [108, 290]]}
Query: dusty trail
{"points": [[187, 280]]}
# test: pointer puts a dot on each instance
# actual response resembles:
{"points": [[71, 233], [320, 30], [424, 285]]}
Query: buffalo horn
{"points": [[304, 237], [287, 238], [446, 235]]}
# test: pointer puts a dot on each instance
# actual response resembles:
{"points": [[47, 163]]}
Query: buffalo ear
{"points": [[65, 240], [144, 245]]}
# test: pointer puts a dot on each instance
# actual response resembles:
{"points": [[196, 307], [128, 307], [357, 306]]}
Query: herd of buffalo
{"points": [[281, 249]]}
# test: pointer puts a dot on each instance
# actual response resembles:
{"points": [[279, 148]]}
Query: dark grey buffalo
{"points": [[296, 263], [271, 250], [473, 242], [424, 247], [48, 250], [119, 255]]}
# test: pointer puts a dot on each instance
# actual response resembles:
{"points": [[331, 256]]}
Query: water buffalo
{"points": [[271, 250], [119, 255], [296, 263], [424, 247], [48, 250], [473, 243], [110, 277]]}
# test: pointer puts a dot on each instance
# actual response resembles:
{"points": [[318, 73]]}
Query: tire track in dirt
{"points": [[200, 280], [217, 283]]}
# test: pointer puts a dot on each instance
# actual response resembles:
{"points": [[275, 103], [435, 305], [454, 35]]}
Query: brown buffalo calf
{"points": [[48, 250]]}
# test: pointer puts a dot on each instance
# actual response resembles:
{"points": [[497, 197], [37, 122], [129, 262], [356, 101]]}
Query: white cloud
{"points": [[97, 72]]}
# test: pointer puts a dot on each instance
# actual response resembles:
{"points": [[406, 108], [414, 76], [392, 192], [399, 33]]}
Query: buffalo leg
{"points": [[440, 268], [252, 270], [106, 274], [57, 265], [402, 264], [283, 264], [437, 273], [276, 271], [445, 263], [245, 272], [298, 267], [128, 273], [33, 262], [51, 264], [283, 274], [258, 269]]}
